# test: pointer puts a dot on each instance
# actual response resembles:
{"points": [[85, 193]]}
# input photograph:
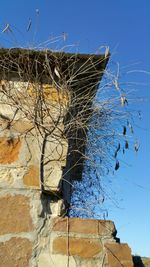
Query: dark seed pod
{"points": [[126, 145], [115, 155], [118, 148], [117, 165], [124, 130]]}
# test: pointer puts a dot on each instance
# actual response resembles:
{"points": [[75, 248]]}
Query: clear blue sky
{"points": [[123, 26]]}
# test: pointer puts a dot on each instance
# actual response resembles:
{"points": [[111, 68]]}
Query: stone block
{"points": [[15, 214], [49, 260], [53, 175], [9, 150], [118, 255], [21, 126], [15, 252], [11, 177], [57, 208], [31, 177], [84, 226], [56, 147], [82, 247]]}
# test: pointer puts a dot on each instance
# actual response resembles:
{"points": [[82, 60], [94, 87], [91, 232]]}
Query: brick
{"points": [[31, 178], [84, 226], [84, 248], [118, 255], [15, 214], [16, 252], [9, 150]]}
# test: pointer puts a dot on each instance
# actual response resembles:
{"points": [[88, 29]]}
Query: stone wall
{"points": [[34, 231], [23, 147], [82, 242], [65, 242], [28, 198]]}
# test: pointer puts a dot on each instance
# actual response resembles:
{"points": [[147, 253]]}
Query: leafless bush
{"points": [[110, 134]]}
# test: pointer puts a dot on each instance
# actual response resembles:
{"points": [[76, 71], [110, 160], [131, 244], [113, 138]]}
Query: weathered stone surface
{"points": [[118, 255], [21, 126], [9, 150], [15, 214], [57, 147], [31, 178], [49, 260], [6, 177], [53, 175], [82, 247], [15, 253], [51, 93], [84, 226], [57, 208], [11, 177]]}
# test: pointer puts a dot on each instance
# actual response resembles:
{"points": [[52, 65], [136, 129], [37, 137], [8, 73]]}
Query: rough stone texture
{"points": [[50, 93], [91, 242], [21, 126], [84, 248], [118, 255], [11, 177], [15, 253], [9, 149], [84, 226], [45, 260], [31, 178], [53, 176], [15, 214]]}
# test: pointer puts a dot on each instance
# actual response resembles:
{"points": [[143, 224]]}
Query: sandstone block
{"points": [[15, 252], [49, 260], [15, 214], [9, 150], [31, 178], [84, 226], [21, 126], [118, 255], [84, 248], [53, 175]]}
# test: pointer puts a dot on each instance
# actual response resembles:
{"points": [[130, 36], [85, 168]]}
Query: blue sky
{"points": [[124, 27]]}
